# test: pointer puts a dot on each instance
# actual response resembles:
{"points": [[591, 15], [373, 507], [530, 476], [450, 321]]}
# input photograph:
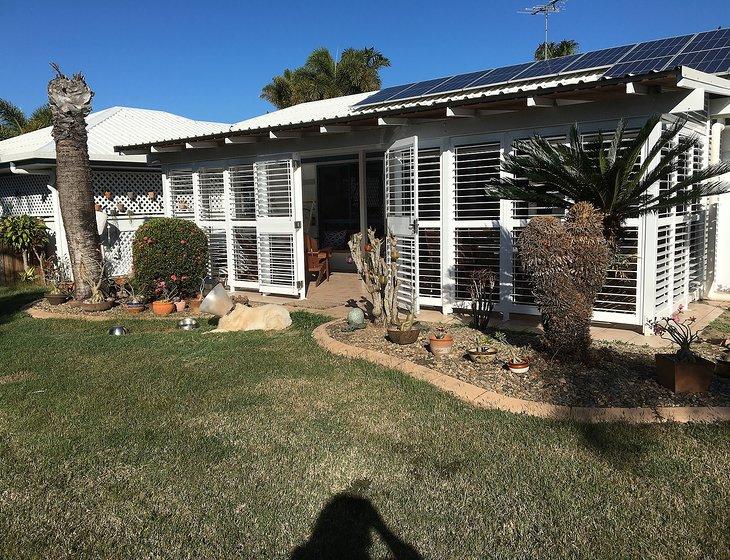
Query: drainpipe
{"points": [[721, 276]]}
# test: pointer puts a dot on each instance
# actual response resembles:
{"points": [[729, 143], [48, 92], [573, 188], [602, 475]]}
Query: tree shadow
{"points": [[343, 530], [12, 303]]}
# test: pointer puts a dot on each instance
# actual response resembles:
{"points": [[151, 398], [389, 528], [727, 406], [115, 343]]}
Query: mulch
{"points": [[618, 375]]}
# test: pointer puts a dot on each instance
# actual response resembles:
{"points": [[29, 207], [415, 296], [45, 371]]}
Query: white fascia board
{"points": [[540, 102], [393, 121], [693, 101], [694, 79]]}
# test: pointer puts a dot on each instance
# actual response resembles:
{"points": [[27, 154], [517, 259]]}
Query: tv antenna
{"points": [[552, 7]]}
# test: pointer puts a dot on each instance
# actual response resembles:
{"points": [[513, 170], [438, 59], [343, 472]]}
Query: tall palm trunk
{"points": [[70, 100]]}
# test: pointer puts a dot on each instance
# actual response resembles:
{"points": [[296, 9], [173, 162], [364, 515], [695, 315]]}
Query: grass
{"points": [[720, 327], [172, 444]]}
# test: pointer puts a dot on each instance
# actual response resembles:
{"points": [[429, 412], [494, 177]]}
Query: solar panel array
{"points": [[707, 52]]}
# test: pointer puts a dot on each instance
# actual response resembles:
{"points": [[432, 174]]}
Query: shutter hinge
{"points": [[414, 226], [300, 284], [297, 224]]}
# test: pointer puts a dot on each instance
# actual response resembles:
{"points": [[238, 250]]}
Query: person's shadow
{"points": [[344, 530]]}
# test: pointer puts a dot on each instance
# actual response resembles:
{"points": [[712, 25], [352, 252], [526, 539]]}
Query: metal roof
{"points": [[108, 128]]}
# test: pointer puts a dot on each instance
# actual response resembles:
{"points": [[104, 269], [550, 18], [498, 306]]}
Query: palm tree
{"points": [[70, 102], [554, 50], [323, 77], [610, 175], [13, 122]]}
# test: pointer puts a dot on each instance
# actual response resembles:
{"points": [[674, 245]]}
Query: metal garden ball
{"points": [[356, 318]]}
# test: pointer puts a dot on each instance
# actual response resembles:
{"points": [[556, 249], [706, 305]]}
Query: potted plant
{"points": [[97, 301], [517, 363], [683, 371], [180, 304], [131, 196], [134, 304], [121, 207], [195, 301], [164, 305], [98, 207], [402, 331], [108, 195], [440, 342], [152, 195], [56, 280], [483, 351]]}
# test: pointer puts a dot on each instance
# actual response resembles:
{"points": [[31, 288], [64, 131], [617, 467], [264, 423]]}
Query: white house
{"points": [[27, 167], [413, 159]]}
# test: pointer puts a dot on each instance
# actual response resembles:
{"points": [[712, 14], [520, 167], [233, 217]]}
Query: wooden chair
{"points": [[318, 260]]}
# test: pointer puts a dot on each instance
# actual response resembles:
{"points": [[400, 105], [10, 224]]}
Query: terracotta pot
{"points": [[152, 195], [163, 307], [134, 308], [683, 377], [440, 347], [108, 195], [482, 356], [93, 307], [98, 207], [519, 367], [56, 299], [194, 305], [403, 337], [180, 305]]}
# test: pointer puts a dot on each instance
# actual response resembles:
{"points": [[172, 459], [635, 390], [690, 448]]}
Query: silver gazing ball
{"points": [[118, 330], [356, 318]]}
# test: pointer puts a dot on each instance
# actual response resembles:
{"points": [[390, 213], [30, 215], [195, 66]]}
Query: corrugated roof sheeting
{"points": [[109, 128]]}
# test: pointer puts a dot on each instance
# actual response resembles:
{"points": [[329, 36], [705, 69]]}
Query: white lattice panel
{"points": [[119, 254], [25, 194], [128, 192]]}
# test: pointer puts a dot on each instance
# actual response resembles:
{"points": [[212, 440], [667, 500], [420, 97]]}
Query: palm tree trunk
{"points": [[70, 100]]}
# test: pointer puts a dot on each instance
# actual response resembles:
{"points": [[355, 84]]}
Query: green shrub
{"points": [[173, 250]]}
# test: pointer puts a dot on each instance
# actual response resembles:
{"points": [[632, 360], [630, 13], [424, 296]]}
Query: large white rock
{"points": [[269, 317]]}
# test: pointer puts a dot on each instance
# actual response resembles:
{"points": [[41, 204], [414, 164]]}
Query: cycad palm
{"points": [[323, 77], [611, 176], [13, 122]]}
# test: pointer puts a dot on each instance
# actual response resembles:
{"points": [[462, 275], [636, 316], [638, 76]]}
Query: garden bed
{"points": [[76, 312], [620, 375]]}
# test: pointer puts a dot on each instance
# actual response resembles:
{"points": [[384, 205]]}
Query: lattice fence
{"points": [[125, 192], [119, 253], [25, 194]]}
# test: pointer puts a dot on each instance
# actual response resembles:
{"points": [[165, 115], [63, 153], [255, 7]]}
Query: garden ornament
{"points": [[355, 319]]}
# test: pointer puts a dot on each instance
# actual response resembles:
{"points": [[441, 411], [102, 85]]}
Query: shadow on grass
{"points": [[344, 530], [12, 300]]}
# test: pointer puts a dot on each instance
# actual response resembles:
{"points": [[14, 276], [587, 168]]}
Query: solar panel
{"points": [[596, 59], [707, 52], [649, 56], [637, 67], [712, 61], [419, 88], [383, 94], [499, 75], [548, 67], [458, 82]]}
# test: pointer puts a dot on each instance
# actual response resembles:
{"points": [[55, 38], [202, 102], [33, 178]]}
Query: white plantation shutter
{"points": [[401, 212], [242, 220], [210, 195], [429, 226], [280, 242], [181, 194]]}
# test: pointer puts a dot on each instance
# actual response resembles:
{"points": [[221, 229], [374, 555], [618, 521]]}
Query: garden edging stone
{"points": [[483, 398]]}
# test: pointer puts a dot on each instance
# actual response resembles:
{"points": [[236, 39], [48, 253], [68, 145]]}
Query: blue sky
{"points": [[208, 60]]}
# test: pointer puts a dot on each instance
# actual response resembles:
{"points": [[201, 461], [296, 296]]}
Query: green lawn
{"points": [[168, 444]]}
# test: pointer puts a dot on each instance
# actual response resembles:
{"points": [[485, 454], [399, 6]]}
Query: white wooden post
{"points": [[298, 211], [228, 228], [362, 184], [448, 260], [166, 195], [506, 249], [59, 230], [648, 246]]}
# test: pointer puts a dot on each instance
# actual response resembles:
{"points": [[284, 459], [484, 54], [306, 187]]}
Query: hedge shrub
{"points": [[172, 249]]}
